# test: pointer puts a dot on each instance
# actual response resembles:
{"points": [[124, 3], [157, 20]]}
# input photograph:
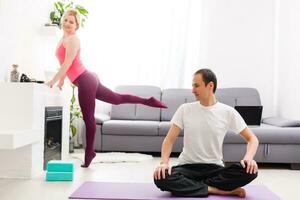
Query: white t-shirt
{"points": [[204, 131]]}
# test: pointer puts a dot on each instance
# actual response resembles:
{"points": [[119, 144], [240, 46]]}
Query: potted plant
{"points": [[59, 9], [75, 113]]}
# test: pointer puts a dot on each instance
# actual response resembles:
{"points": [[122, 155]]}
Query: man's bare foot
{"points": [[241, 192]]}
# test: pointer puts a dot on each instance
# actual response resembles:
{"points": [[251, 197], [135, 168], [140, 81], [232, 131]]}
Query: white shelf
{"points": [[22, 124], [50, 31], [17, 139]]}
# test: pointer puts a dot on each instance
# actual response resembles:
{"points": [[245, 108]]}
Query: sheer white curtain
{"points": [[145, 42]]}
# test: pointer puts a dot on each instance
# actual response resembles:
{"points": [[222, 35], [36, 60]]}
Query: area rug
{"points": [[143, 191]]}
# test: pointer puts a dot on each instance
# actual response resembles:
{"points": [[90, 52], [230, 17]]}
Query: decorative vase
{"points": [[14, 74]]}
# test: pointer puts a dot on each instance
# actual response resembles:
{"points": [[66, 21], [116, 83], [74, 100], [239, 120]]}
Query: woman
{"points": [[89, 86]]}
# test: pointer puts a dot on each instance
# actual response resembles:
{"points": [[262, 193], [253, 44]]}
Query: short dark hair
{"points": [[208, 76]]}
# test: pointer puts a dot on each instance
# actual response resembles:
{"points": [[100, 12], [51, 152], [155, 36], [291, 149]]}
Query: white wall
{"points": [[23, 39], [249, 43], [288, 59], [237, 43], [236, 40]]}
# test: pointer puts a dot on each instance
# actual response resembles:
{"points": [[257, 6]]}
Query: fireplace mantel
{"points": [[22, 118]]}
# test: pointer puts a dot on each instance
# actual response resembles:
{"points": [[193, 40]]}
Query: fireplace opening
{"points": [[53, 134]]}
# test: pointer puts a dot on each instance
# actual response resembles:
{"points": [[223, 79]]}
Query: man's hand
{"points": [[160, 171], [250, 165]]}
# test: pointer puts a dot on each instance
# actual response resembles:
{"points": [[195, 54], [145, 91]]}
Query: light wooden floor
{"points": [[281, 180]]}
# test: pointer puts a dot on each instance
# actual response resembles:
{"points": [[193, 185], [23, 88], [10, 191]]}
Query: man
{"points": [[201, 171]]}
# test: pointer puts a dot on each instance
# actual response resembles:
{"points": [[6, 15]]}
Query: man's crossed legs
{"points": [[200, 180]]}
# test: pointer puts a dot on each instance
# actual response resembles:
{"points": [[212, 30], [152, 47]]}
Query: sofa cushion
{"points": [[229, 96], [137, 111], [100, 118], [238, 96], [164, 129], [173, 98], [281, 122], [130, 127], [267, 134]]}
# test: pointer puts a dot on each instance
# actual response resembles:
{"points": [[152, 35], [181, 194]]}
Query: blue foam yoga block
{"points": [[60, 166], [59, 176]]}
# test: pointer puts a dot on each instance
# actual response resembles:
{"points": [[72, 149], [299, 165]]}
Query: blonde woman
{"points": [[89, 86]]}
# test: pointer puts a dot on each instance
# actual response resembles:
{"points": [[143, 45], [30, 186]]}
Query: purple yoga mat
{"points": [[143, 191]]}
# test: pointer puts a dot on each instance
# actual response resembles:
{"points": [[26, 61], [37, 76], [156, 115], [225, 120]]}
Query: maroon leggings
{"points": [[89, 89]]}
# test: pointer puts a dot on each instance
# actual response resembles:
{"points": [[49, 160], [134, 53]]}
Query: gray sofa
{"points": [[138, 128]]}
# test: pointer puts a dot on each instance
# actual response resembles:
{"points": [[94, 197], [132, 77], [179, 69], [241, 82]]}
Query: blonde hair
{"points": [[74, 13]]}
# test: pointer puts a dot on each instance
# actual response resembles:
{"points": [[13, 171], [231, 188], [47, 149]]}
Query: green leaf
{"points": [[69, 5], [52, 14], [60, 6], [56, 5], [82, 10], [73, 99], [73, 130]]}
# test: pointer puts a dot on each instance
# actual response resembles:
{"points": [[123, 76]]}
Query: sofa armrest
{"points": [[100, 118], [281, 122]]}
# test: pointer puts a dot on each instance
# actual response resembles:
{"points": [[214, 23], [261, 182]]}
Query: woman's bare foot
{"points": [[241, 192], [155, 103], [88, 157]]}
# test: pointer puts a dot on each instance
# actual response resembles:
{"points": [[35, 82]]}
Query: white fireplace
{"points": [[22, 126]]}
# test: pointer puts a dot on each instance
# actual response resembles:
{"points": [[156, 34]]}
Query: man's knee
{"points": [[242, 173], [163, 183], [251, 177], [244, 170], [158, 182], [247, 176]]}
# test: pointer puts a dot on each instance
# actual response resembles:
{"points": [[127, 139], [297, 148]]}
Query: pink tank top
{"points": [[76, 68]]}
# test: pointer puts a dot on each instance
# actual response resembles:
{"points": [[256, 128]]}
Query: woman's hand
{"points": [[50, 83], [60, 84]]}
